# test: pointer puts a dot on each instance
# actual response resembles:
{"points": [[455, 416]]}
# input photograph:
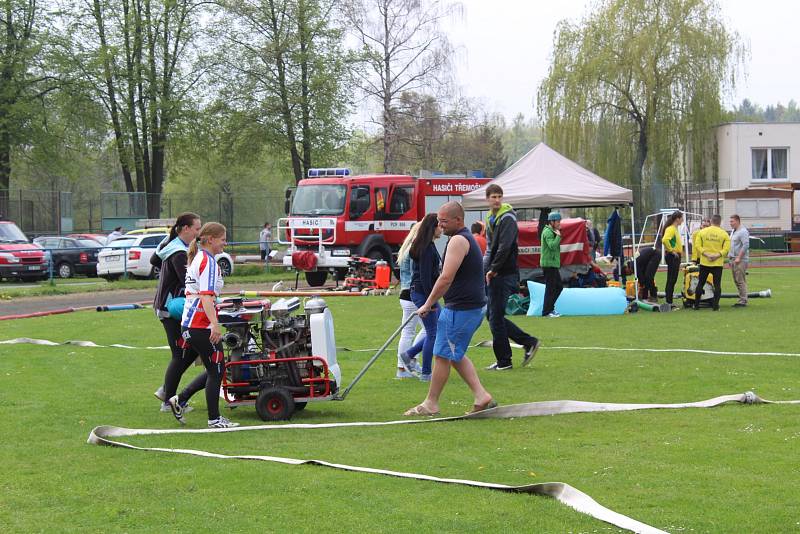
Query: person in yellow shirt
{"points": [[696, 253], [673, 248], [713, 244]]}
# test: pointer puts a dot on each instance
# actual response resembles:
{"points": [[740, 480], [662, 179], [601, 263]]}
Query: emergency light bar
{"points": [[319, 173]]}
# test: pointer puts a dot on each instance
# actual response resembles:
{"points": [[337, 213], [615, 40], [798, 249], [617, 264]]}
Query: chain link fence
{"points": [[58, 212]]}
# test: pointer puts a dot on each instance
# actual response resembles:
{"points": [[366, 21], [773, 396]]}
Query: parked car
{"points": [[100, 238], [19, 258], [70, 256], [139, 248]]}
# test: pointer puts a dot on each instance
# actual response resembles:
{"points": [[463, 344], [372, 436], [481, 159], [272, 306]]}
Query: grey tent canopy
{"points": [[545, 178]]}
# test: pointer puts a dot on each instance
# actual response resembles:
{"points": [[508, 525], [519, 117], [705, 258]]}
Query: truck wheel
{"points": [[64, 270], [274, 404], [316, 278]]}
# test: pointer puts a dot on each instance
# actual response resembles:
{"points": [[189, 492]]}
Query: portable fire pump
{"points": [[364, 274], [275, 359]]}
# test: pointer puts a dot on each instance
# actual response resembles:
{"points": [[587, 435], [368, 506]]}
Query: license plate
{"points": [[34, 267], [113, 258]]}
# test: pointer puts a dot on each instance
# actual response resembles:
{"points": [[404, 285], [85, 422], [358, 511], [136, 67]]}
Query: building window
{"points": [[770, 163], [769, 208]]}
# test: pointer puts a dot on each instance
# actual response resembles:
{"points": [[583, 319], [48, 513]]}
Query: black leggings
{"points": [[180, 362], [673, 267], [213, 360], [552, 288]]}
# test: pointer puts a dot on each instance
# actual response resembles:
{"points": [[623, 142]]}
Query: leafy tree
{"points": [[637, 81], [24, 81], [288, 74], [142, 60], [404, 51]]}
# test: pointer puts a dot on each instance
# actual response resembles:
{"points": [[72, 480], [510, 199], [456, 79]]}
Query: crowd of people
{"points": [[475, 277]]}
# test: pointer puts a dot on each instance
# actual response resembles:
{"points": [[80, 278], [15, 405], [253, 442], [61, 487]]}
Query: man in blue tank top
{"points": [[461, 283]]}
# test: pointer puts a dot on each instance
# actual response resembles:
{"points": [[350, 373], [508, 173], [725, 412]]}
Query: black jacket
{"points": [[171, 280], [503, 250]]}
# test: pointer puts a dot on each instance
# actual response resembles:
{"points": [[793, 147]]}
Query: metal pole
{"points": [[633, 257]]}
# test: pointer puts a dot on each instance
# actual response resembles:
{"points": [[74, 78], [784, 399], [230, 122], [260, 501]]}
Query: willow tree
{"points": [[635, 84]]}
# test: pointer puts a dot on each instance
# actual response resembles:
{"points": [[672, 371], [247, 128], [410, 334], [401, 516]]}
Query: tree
{"points": [[142, 59], [404, 50], [291, 75], [23, 82], [520, 137], [636, 83]]}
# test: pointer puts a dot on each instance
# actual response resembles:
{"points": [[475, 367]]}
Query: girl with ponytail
{"points": [[200, 326], [673, 248]]}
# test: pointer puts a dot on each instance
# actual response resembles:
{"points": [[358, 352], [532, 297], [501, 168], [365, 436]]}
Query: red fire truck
{"points": [[334, 216]]}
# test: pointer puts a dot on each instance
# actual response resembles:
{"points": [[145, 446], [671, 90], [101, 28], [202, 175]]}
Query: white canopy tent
{"points": [[543, 178]]}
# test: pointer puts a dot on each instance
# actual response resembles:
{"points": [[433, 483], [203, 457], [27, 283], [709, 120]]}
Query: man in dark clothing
{"points": [[646, 266], [502, 279]]}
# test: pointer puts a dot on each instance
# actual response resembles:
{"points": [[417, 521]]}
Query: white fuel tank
{"points": [[323, 342]]}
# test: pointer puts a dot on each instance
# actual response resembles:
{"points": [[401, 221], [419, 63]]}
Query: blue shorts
{"points": [[454, 332]]}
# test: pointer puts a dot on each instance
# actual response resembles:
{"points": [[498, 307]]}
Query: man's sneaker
{"points": [[553, 314], [161, 394], [221, 422], [496, 367], [177, 409], [425, 377], [740, 305], [530, 352], [402, 373], [165, 407], [409, 363]]}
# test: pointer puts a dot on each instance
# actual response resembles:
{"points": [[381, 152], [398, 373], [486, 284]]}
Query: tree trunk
{"points": [[388, 119], [305, 105], [286, 111], [638, 166]]}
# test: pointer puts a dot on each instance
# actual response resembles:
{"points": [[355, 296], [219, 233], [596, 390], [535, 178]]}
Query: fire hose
{"points": [[564, 493]]}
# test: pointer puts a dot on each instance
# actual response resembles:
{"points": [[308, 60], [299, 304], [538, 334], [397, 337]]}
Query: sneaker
{"points": [[165, 407], [161, 394], [402, 373], [177, 409], [408, 363], [740, 305], [425, 377], [553, 314], [496, 367], [221, 422], [530, 352], [185, 407]]}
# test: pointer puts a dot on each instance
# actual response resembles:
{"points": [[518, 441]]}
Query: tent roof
{"points": [[544, 178]]}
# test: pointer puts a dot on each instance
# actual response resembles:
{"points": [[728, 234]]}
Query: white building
{"points": [[759, 173]]}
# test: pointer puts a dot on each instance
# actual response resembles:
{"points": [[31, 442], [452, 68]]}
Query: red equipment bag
{"points": [[305, 260]]}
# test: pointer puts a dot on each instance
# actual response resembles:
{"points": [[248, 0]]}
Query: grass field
{"points": [[727, 469]]}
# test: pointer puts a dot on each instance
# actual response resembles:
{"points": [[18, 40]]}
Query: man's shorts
{"points": [[454, 332]]}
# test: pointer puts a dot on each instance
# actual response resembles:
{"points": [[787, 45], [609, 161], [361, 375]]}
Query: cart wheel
{"points": [[299, 406], [274, 404]]}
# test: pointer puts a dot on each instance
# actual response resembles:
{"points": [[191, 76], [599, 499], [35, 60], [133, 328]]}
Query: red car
{"points": [[19, 258], [100, 238]]}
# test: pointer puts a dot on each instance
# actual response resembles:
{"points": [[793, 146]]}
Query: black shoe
{"points": [[496, 367], [740, 305], [530, 352], [715, 308]]}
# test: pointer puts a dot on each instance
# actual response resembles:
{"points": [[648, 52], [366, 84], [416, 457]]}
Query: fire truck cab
{"points": [[334, 216]]}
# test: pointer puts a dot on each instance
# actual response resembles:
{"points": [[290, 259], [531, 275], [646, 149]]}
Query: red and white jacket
{"points": [[202, 278]]}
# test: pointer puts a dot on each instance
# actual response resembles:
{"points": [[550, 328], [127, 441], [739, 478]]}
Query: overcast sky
{"points": [[505, 45]]}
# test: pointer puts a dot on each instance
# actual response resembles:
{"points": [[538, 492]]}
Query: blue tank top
{"points": [[468, 290]]}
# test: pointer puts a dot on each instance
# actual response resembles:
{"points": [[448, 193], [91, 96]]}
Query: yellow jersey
{"points": [[713, 240], [672, 240]]}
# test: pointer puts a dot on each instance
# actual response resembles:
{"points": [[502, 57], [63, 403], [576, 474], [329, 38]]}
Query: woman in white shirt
{"points": [[200, 327]]}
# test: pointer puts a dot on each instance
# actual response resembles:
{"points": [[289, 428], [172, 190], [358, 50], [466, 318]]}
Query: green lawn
{"points": [[728, 469]]}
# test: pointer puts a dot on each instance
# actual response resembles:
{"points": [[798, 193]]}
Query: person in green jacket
{"points": [[713, 244], [551, 264]]}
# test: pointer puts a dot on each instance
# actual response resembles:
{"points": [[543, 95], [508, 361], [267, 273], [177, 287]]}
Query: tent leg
{"points": [[633, 257]]}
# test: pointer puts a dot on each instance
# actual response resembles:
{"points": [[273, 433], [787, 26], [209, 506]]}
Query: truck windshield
{"points": [[9, 233], [319, 200]]}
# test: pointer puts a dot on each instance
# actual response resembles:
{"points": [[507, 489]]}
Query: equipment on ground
{"points": [[367, 274], [691, 278]]}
